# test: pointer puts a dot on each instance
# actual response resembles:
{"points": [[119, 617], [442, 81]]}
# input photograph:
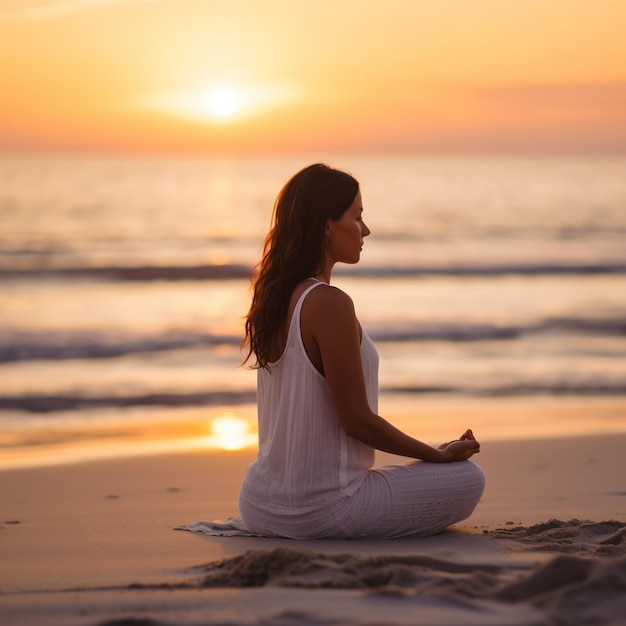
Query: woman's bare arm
{"points": [[328, 316]]}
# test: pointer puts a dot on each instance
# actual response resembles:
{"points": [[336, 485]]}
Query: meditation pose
{"points": [[318, 391]]}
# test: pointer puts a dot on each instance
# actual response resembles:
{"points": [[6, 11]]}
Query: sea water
{"points": [[124, 281]]}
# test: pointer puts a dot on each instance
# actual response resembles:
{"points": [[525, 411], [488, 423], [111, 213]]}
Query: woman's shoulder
{"points": [[327, 300]]}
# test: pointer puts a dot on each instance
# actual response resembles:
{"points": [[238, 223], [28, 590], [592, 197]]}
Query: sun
{"points": [[223, 103]]}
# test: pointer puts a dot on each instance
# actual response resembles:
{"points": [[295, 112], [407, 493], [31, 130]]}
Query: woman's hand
{"points": [[460, 449]]}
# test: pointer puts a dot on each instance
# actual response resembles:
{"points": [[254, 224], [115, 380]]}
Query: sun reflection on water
{"points": [[230, 432]]}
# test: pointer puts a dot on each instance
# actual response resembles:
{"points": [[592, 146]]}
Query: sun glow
{"points": [[221, 103], [230, 432]]}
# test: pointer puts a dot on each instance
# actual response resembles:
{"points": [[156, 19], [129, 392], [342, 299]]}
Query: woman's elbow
{"points": [[356, 427], [353, 431]]}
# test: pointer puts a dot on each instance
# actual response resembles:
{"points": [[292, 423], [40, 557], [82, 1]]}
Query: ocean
{"points": [[492, 286]]}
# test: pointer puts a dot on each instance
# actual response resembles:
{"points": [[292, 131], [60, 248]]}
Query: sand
{"points": [[93, 543]]}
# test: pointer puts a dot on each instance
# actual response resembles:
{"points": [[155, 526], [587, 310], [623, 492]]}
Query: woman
{"points": [[318, 387]]}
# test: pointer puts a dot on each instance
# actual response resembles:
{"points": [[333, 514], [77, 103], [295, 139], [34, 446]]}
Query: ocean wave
{"points": [[459, 332], [238, 271], [59, 346], [142, 273], [574, 387], [485, 269], [51, 403]]}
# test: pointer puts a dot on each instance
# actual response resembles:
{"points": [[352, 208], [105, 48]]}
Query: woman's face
{"points": [[344, 237]]}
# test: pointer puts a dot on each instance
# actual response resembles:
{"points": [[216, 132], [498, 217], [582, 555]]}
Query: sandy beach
{"points": [[94, 543]]}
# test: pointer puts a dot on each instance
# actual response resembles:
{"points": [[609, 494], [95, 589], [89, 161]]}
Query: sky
{"points": [[279, 76]]}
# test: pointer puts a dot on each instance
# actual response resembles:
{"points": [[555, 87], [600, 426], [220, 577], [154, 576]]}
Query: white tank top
{"points": [[306, 460]]}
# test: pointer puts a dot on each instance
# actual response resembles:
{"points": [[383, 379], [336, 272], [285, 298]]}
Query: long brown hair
{"points": [[293, 250]]}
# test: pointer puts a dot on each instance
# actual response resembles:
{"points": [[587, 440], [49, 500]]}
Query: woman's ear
{"points": [[327, 228]]}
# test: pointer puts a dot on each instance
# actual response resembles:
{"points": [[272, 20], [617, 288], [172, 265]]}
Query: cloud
{"points": [[40, 10]]}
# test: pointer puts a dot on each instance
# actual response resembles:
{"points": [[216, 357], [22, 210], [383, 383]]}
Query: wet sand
{"points": [[94, 543]]}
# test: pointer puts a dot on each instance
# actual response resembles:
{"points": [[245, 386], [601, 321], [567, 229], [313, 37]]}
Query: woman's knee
{"points": [[478, 475]]}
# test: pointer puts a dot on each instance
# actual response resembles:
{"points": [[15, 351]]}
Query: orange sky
{"points": [[411, 75]]}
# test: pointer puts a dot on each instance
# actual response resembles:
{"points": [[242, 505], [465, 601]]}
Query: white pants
{"points": [[412, 499]]}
